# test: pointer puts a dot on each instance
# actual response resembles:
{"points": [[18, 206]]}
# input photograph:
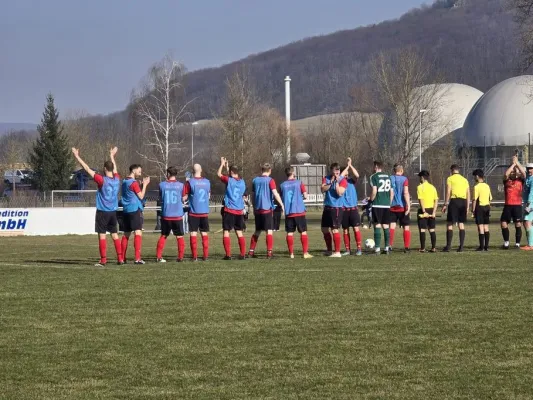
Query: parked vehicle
{"points": [[17, 176]]}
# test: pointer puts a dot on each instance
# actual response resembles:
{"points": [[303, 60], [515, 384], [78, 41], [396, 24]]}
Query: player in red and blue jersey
{"points": [[400, 208], [233, 218], [172, 194], [333, 186], [350, 214], [132, 206], [199, 189], [106, 204], [293, 194], [264, 192]]}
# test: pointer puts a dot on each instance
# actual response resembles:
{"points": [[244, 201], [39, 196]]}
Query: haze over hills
{"points": [[470, 41], [6, 127]]}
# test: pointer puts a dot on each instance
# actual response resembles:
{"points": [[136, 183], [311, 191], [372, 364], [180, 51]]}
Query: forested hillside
{"points": [[470, 41]]}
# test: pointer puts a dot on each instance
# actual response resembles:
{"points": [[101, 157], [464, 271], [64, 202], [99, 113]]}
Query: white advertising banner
{"points": [[47, 221]]}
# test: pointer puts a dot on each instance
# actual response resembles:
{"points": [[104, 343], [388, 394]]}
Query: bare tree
{"points": [[14, 150], [523, 12], [161, 107]]}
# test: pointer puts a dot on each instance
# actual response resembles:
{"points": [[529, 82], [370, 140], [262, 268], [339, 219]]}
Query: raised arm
{"points": [[87, 169], [146, 181], [222, 164], [112, 154]]}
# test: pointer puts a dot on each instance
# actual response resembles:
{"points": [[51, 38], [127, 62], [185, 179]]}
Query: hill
{"points": [[471, 41], [6, 127]]}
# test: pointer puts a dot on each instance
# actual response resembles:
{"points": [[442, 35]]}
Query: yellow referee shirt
{"points": [[459, 185], [427, 194], [482, 194]]}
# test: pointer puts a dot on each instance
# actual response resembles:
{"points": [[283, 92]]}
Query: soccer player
{"points": [[400, 209], [528, 207], [457, 203], [481, 209], [350, 213], [293, 193], [172, 194], [333, 186], [106, 204], [199, 192], [132, 206], [512, 210], [381, 198], [233, 218], [264, 191], [427, 210]]}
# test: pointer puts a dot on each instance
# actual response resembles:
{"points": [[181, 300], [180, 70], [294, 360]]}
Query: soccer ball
{"points": [[365, 226], [370, 244]]}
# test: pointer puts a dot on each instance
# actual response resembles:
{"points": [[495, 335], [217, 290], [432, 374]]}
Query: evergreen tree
{"points": [[51, 159]]}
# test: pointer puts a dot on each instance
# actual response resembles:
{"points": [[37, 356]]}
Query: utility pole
{"points": [[288, 117]]}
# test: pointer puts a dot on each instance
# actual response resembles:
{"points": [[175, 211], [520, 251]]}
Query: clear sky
{"points": [[91, 53]]}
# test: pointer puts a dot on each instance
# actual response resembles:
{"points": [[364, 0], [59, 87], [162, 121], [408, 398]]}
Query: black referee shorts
{"points": [[457, 211], [425, 223], [482, 215]]}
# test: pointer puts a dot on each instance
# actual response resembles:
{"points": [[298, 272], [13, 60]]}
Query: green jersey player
{"points": [[382, 195]]}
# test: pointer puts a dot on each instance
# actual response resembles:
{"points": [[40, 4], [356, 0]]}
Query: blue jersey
{"points": [[398, 182], [130, 201], [350, 195], [292, 196], [235, 189], [331, 198], [171, 194], [528, 190], [107, 195], [199, 189], [262, 187]]}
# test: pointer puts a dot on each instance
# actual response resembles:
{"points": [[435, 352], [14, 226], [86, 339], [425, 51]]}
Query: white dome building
{"points": [[503, 116]]}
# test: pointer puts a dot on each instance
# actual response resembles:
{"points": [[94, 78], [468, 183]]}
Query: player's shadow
{"points": [[58, 262]]}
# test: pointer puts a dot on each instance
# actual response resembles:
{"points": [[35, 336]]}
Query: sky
{"points": [[90, 54]]}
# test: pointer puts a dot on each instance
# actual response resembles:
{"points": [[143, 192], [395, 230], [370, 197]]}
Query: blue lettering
{"points": [[11, 224], [21, 225], [3, 225]]}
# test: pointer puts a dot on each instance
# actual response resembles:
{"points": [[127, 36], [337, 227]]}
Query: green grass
{"points": [[417, 326]]}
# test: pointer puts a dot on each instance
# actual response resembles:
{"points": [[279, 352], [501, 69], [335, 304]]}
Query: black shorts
{"points": [[457, 211], [511, 213], [399, 217], [294, 223], [233, 222], [331, 217], [198, 223], [482, 215], [380, 216], [264, 222], [174, 226], [425, 223], [350, 218], [132, 221], [106, 221]]}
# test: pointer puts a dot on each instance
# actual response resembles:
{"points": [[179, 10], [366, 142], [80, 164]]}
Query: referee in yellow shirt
{"points": [[428, 200], [481, 209], [457, 204]]}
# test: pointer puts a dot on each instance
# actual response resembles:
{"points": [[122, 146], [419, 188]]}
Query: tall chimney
{"points": [[288, 116]]}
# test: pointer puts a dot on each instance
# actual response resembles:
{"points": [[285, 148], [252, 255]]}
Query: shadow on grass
{"points": [[61, 262]]}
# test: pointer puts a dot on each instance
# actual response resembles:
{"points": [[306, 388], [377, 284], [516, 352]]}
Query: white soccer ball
{"points": [[370, 244]]}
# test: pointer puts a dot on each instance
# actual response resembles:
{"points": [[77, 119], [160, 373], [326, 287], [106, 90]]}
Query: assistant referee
{"points": [[457, 204]]}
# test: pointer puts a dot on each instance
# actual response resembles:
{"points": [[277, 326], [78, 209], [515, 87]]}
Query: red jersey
{"points": [[513, 192]]}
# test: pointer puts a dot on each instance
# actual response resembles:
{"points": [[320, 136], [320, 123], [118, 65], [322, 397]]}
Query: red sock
{"points": [[227, 245], [391, 240], [347, 241], [194, 248], [205, 245], [328, 240], [137, 244], [160, 247], [124, 245], [358, 239], [270, 242], [242, 246], [181, 248], [102, 245], [337, 240], [253, 242], [305, 243], [118, 249], [290, 243], [407, 239]]}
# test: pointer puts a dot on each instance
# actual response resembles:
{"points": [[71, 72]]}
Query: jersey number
{"points": [[201, 195], [236, 193], [384, 185], [171, 197]]}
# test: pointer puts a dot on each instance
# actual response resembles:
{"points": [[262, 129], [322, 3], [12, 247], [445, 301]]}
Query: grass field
{"points": [[417, 326]]}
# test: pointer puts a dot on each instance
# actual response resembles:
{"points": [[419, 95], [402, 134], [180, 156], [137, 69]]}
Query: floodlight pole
{"points": [[192, 142]]}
